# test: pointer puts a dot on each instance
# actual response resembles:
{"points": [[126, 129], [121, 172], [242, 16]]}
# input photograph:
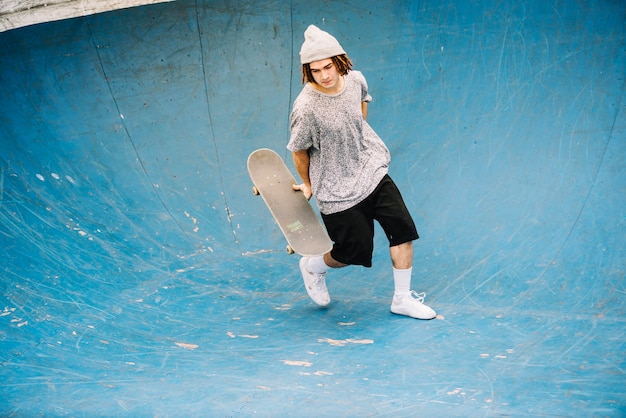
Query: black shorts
{"points": [[352, 230]]}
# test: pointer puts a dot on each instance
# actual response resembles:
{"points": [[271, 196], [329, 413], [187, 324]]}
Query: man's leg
{"points": [[396, 221], [331, 262], [314, 273], [402, 255], [406, 302], [402, 260]]}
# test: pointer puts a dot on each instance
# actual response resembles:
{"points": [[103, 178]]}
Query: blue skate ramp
{"points": [[141, 277]]}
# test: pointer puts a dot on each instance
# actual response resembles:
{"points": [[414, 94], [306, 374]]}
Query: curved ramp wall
{"points": [[135, 256]]}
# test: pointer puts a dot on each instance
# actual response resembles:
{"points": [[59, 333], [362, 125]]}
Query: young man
{"points": [[344, 164]]}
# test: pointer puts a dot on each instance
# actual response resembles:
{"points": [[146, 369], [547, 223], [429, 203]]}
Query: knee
{"points": [[402, 255]]}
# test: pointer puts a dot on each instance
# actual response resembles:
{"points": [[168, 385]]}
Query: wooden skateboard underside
{"points": [[293, 213]]}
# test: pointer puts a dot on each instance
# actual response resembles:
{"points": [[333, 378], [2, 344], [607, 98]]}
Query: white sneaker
{"points": [[315, 284], [412, 304]]}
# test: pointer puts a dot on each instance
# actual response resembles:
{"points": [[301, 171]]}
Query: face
{"points": [[326, 76]]}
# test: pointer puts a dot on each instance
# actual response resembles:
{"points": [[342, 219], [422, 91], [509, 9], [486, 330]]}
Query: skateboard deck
{"points": [[293, 213]]}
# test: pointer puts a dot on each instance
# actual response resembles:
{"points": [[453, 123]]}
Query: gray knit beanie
{"points": [[318, 45]]}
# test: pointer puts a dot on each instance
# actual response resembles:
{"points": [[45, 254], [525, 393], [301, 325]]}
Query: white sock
{"points": [[317, 265], [402, 281]]}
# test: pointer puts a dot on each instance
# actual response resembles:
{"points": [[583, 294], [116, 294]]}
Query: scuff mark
{"points": [[187, 346], [7, 311], [341, 343], [193, 219], [249, 253], [322, 373], [297, 363], [233, 335]]}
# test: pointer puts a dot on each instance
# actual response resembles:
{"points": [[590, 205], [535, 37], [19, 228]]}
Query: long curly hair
{"points": [[342, 63]]}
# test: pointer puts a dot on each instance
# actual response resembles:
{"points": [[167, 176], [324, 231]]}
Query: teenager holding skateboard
{"points": [[344, 164]]}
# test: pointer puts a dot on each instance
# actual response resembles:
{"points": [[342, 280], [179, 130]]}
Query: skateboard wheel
{"points": [[255, 191], [289, 249]]}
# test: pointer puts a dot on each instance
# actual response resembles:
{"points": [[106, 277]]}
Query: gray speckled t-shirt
{"points": [[348, 159]]}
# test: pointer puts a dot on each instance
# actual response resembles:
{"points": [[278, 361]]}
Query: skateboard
{"points": [[293, 213]]}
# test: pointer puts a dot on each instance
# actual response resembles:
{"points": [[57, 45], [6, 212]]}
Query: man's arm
{"points": [[302, 160], [364, 110]]}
